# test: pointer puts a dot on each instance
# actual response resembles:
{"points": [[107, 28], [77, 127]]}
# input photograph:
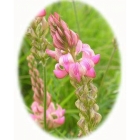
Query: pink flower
{"points": [[78, 47], [59, 72], [37, 111], [66, 60], [88, 64], [42, 13], [96, 58], [55, 117], [36, 108], [63, 37], [76, 71], [89, 53]]}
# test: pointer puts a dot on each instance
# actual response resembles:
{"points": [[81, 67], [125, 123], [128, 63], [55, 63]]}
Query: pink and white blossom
{"points": [[55, 116]]}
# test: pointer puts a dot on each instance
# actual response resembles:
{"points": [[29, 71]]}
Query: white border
{"points": [[114, 126]]}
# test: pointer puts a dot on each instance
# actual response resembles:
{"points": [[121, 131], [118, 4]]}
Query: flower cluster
{"points": [[37, 33], [68, 49], [54, 116]]}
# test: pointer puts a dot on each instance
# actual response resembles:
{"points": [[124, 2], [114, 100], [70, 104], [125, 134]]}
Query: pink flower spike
{"points": [[42, 13], [96, 58], [91, 73], [59, 73]]}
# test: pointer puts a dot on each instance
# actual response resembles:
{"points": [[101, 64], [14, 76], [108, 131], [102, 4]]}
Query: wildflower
{"points": [[55, 116], [42, 13]]}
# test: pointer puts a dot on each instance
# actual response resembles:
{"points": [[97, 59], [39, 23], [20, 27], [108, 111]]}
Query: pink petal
{"points": [[87, 63], [59, 112], [60, 74], [91, 73], [50, 20], [60, 31], [56, 43], [74, 38], [42, 13], [59, 121], [79, 47], [96, 58], [64, 25], [68, 37], [58, 54], [56, 15], [76, 71], [59, 37], [87, 51], [36, 108], [51, 53], [33, 116], [50, 109], [66, 60]]}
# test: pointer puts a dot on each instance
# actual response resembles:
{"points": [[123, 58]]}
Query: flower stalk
{"points": [[68, 48], [43, 108]]}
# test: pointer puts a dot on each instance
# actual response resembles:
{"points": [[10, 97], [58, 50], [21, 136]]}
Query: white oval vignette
{"points": [[114, 126]]}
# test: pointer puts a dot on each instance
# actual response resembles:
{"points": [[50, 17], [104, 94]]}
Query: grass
{"points": [[96, 32]]}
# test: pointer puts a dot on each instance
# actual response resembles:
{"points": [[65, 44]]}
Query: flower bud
{"points": [[42, 13]]}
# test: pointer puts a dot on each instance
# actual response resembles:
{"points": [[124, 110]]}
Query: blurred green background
{"points": [[96, 32]]}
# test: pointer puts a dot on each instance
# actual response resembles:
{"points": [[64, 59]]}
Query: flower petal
{"points": [[56, 43], [59, 73], [74, 38], [60, 121], [96, 58], [68, 37], [78, 47], [87, 51], [87, 63], [91, 73], [76, 71], [51, 53], [66, 60]]}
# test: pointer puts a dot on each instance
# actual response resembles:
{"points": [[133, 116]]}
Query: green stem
{"points": [[111, 58], [75, 11], [45, 107]]}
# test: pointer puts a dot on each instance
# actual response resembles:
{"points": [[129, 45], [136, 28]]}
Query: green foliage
{"points": [[95, 31]]}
